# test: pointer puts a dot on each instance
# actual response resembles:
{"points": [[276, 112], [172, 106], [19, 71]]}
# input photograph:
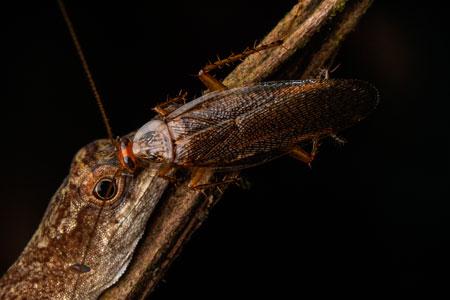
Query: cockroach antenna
{"points": [[86, 69], [126, 159], [81, 267]]}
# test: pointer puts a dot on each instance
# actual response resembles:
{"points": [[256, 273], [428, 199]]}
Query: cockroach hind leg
{"points": [[298, 153], [315, 148], [196, 177], [210, 82], [325, 71], [213, 84], [219, 63]]}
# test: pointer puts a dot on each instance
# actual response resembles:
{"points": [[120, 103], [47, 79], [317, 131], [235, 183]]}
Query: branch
{"points": [[312, 33]]}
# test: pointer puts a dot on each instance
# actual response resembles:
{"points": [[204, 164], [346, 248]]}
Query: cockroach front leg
{"points": [[213, 84], [168, 106], [198, 174], [164, 173]]}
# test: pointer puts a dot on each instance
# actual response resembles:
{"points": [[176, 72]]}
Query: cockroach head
{"points": [[153, 142]]}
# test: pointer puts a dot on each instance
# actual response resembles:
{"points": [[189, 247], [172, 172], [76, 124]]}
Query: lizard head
{"points": [[90, 229]]}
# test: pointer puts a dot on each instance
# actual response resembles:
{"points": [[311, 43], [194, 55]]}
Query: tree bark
{"points": [[312, 33]]}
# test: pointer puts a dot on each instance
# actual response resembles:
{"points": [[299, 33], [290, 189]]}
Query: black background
{"points": [[372, 216]]}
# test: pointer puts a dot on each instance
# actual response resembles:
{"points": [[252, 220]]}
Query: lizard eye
{"points": [[105, 189], [102, 186]]}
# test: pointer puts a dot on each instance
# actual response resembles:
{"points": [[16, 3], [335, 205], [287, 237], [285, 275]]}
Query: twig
{"points": [[312, 32]]}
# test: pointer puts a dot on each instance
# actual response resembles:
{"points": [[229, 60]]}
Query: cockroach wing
{"points": [[252, 124], [216, 107]]}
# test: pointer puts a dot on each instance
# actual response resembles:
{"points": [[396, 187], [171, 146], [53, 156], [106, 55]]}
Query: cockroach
{"points": [[230, 129], [236, 128]]}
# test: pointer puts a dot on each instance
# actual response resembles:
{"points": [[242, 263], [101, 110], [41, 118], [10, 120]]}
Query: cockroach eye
{"points": [[105, 189]]}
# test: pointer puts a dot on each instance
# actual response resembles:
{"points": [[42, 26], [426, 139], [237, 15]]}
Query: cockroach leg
{"points": [[298, 153], [238, 57], [171, 104], [214, 184], [197, 176], [211, 83], [325, 73], [164, 173]]}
